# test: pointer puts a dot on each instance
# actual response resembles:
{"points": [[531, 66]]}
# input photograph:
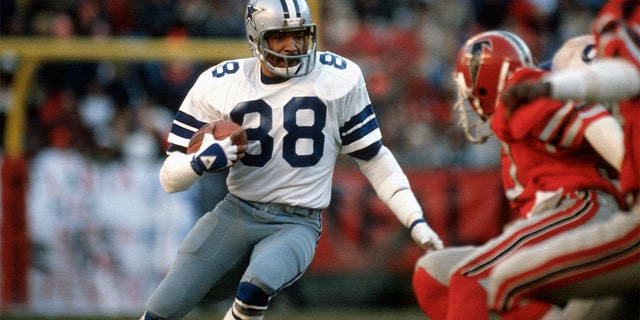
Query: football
{"points": [[220, 129]]}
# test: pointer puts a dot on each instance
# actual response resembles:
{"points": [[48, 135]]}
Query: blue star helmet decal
{"points": [[252, 10]]}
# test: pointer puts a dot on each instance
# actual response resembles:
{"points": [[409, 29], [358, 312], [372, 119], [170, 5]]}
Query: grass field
{"points": [[372, 314], [367, 296]]}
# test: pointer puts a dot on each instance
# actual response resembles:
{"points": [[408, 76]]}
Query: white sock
{"points": [[229, 315]]}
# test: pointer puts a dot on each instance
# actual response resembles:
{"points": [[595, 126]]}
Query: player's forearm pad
{"points": [[177, 174], [606, 80], [392, 186]]}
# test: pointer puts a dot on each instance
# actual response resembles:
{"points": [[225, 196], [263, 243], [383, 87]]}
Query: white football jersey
{"points": [[296, 128]]}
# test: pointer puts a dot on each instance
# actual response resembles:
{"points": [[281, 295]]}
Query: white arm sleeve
{"points": [[392, 186], [606, 137], [607, 80], [176, 173]]}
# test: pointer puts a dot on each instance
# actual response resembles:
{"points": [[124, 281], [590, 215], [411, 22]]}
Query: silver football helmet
{"points": [[265, 16]]}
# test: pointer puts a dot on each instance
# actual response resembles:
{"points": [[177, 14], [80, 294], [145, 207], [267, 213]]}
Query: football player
{"points": [[300, 108], [603, 259], [552, 175]]}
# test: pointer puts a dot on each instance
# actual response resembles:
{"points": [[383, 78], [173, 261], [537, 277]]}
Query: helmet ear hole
{"points": [[482, 91]]}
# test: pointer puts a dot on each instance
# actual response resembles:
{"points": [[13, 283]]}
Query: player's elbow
{"points": [[168, 185], [176, 174]]}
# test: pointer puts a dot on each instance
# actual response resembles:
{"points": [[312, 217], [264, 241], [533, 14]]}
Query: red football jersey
{"points": [[617, 31], [544, 148]]}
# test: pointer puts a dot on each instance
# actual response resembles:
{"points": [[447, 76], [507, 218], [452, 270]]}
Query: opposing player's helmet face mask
{"points": [[268, 16], [484, 64]]}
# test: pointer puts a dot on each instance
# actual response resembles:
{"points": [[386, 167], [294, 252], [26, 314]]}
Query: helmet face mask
{"points": [[293, 65], [265, 17], [470, 120], [483, 66]]}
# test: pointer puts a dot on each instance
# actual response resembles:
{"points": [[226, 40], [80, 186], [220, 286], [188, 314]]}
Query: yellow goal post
{"points": [[31, 52]]}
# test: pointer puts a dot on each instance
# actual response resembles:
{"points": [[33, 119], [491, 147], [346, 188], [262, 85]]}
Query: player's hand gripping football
{"points": [[215, 155], [425, 236]]}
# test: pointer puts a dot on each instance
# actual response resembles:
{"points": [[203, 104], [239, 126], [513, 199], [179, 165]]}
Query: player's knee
{"points": [[425, 285], [419, 282], [251, 294], [431, 294], [440, 264], [432, 265]]}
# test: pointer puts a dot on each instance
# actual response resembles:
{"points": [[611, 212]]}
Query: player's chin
{"points": [[291, 63]]}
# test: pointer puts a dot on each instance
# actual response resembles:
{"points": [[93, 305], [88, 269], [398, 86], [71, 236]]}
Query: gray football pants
{"points": [[268, 245]]}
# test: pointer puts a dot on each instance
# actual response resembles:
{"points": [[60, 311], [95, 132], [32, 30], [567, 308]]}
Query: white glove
{"points": [[214, 155], [425, 236]]}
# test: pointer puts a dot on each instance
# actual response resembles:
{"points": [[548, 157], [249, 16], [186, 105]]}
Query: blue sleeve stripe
{"points": [[359, 126], [358, 118], [188, 120], [185, 119], [181, 131], [361, 132]]}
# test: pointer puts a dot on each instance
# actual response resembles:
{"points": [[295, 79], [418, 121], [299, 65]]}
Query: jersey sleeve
{"points": [[361, 137], [359, 130], [194, 112]]}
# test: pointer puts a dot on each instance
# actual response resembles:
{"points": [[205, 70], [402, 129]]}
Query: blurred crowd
{"points": [[406, 49], [97, 129]]}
